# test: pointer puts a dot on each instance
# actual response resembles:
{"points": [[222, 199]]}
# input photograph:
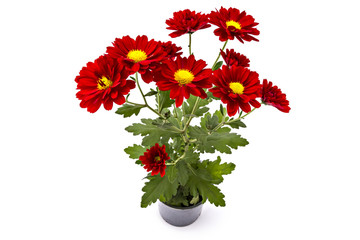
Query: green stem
{"points": [[218, 126], [191, 115], [219, 54], [184, 117], [234, 120], [136, 104], [142, 94], [192, 170], [158, 98], [247, 114], [181, 157], [190, 44]]}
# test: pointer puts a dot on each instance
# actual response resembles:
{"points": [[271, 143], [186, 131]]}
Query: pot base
{"points": [[180, 216]]}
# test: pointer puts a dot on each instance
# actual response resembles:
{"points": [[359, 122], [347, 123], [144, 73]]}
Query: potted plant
{"points": [[183, 86]]}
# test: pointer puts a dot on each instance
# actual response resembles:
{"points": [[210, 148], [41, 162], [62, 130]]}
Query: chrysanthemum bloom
{"points": [[237, 87], [272, 95], [138, 55], [183, 77], [187, 21], [172, 51], [232, 24], [154, 159], [233, 58], [103, 82]]}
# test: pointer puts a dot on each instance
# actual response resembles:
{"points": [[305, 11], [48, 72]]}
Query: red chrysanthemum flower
{"points": [[187, 21], [154, 160], [183, 77], [272, 95], [172, 51], [232, 24], [138, 55], [233, 58], [237, 87], [103, 82]]}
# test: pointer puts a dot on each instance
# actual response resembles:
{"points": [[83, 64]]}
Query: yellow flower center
{"points": [[183, 76], [237, 87], [137, 55], [157, 158], [104, 83], [233, 24]]}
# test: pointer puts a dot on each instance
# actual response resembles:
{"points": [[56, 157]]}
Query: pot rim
{"points": [[188, 207]]}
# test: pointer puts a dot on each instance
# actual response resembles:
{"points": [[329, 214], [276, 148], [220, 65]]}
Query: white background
{"points": [[63, 172]]}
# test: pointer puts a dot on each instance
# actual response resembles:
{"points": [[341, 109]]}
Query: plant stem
{"points": [[136, 104], [181, 157], [142, 94], [158, 98], [218, 126], [219, 54], [184, 117], [234, 120], [191, 115], [247, 114], [190, 44], [192, 170]]}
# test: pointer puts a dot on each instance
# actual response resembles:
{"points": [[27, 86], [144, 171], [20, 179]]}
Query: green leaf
{"points": [[178, 113], [183, 172], [135, 151], [151, 93], [209, 122], [198, 133], [180, 199], [191, 157], [128, 110], [207, 174], [164, 125], [173, 121], [172, 173], [199, 112], [211, 96], [195, 200], [153, 133], [217, 170], [178, 143], [217, 65], [237, 124], [158, 188], [206, 189], [201, 109], [221, 140], [219, 115], [164, 100], [169, 149]]}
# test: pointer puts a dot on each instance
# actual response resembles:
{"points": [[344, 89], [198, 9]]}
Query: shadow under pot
{"points": [[180, 216]]}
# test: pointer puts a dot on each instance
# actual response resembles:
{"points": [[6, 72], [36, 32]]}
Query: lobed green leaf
{"points": [[207, 190], [158, 188], [153, 132], [217, 170], [237, 124], [135, 151], [221, 140], [127, 110]]}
